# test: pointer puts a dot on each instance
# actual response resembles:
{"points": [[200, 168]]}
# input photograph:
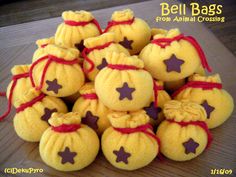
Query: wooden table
{"points": [[17, 46]]}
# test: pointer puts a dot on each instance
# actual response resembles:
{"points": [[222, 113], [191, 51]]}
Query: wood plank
{"points": [[16, 47], [42, 9], [225, 32]]}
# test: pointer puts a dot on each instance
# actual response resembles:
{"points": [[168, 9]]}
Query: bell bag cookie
{"points": [[31, 118], [68, 145], [173, 56], [129, 143], [77, 26], [95, 51], [208, 91], [91, 110], [184, 134], [58, 73], [131, 32], [122, 84]]}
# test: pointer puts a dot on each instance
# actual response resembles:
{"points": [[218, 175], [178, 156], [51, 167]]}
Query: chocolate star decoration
{"points": [[173, 64], [67, 156], [80, 46], [208, 108], [90, 120], [152, 111], [125, 92], [190, 146], [103, 64], [47, 113], [121, 155], [53, 86], [126, 43]]}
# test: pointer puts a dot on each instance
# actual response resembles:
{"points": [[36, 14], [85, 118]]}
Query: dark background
{"points": [[21, 11]]}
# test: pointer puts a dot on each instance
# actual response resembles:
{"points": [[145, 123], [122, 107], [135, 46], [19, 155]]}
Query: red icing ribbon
{"points": [[43, 45], [84, 23], [156, 88], [201, 124], [122, 67], [64, 128], [23, 106], [90, 96], [14, 79], [50, 59], [163, 42], [86, 51], [140, 129], [114, 23], [198, 84]]}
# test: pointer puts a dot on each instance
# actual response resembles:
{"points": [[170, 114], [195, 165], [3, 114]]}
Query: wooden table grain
{"points": [[17, 46]]}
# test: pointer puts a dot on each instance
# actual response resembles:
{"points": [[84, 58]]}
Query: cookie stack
{"points": [[116, 86]]}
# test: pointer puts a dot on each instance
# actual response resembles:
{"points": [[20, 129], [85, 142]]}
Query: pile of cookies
{"points": [[138, 91]]}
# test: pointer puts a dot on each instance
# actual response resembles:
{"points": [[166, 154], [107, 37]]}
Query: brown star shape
{"points": [[90, 120], [126, 43], [121, 155], [208, 108], [173, 64], [190, 146], [80, 46], [125, 91], [103, 64], [47, 113], [53, 86], [67, 156]]}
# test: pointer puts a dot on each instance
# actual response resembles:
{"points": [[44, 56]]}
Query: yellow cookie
{"points": [[68, 145], [131, 32], [130, 143], [184, 134]]}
